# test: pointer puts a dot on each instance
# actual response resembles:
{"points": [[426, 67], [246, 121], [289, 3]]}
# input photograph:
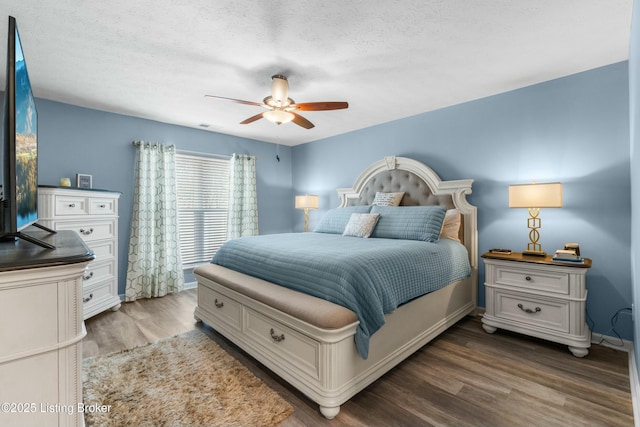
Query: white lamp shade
{"points": [[308, 201], [278, 116], [546, 195]]}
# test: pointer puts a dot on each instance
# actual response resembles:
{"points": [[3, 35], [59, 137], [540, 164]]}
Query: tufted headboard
{"points": [[417, 191], [422, 187]]}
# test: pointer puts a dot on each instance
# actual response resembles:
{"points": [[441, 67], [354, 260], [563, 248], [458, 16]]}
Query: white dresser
{"points": [[41, 330], [539, 297], [94, 215]]}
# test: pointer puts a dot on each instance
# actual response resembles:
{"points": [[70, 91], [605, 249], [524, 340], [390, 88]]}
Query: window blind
{"points": [[203, 203]]}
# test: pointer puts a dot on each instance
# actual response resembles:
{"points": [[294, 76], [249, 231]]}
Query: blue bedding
{"points": [[371, 277]]}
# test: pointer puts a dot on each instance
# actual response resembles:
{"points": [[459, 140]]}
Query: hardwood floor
{"points": [[465, 377]]}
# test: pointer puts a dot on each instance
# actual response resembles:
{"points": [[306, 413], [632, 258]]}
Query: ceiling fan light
{"points": [[278, 116], [279, 89]]}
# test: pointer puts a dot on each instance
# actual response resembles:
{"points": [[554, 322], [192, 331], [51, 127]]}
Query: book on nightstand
{"points": [[567, 255]]}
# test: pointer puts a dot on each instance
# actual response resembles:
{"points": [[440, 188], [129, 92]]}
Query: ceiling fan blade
{"points": [[239, 101], [301, 121], [252, 119], [320, 106]]}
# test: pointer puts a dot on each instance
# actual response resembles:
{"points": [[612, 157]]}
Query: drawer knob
{"points": [[528, 310], [102, 206], [87, 276], [276, 338], [72, 205], [87, 299], [527, 278], [86, 232], [218, 304]]}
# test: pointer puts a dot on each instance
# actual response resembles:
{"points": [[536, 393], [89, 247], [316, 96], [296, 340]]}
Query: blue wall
{"points": [[574, 130], [634, 98], [78, 140]]}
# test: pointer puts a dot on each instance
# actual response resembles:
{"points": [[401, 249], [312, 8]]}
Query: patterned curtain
{"points": [[243, 197], [155, 268]]}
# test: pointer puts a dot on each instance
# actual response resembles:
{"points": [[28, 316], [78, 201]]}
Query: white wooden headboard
{"points": [[422, 187]]}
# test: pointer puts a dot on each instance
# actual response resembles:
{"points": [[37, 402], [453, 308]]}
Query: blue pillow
{"points": [[336, 220], [409, 222]]}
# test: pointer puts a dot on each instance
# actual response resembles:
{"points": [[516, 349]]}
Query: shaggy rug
{"points": [[186, 380]]}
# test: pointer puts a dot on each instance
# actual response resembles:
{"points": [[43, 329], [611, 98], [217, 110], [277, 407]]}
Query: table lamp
{"points": [[533, 197], [306, 202]]}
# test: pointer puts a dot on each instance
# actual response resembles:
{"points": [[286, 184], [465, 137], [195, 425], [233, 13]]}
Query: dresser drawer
{"points": [[532, 278], [96, 294], [224, 308], [104, 250], [20, 310], [90, 230], [102, 206], [282, 341], [548, 313], [71, 205], [97, 271]]}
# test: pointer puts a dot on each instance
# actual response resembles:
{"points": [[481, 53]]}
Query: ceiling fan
{"points": [[281, 108]]}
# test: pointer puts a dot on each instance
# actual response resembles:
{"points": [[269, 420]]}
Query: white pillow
{"points": [[388, 199], [361, 225], [451, 225]]}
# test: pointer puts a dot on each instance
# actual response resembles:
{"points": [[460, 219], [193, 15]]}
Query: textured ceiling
{"points": [[156, 59]]}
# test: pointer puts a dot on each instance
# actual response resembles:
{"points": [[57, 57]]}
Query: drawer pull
{"points": [[86, 232], [87, 299], [276, 338], [528, 278], [88, 276], [528, 310], [218, 304]]}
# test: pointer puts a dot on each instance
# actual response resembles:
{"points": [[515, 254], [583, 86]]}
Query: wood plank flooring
{"points": [[463, 378]]}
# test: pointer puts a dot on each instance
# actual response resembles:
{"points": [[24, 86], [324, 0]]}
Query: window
{"points": [[203, 202]]}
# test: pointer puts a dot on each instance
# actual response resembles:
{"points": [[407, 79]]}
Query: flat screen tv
{"points": [[20, 151]]}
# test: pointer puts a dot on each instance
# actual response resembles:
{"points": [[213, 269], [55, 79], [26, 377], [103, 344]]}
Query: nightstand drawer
{"points": [[532, 278], [548, 313]]}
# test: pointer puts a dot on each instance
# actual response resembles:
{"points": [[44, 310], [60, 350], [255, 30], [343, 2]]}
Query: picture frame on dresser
{"points": [[84, 181], [93, 214]]}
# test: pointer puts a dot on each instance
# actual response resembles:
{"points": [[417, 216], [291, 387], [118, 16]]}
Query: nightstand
{"points": [[537, 296]]}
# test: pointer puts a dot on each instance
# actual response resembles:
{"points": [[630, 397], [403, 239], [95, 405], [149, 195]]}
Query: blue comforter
{"points": [[371, 277]]}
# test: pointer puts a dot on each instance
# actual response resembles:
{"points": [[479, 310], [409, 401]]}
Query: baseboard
{"points": [[611, 342], [188, 285]]}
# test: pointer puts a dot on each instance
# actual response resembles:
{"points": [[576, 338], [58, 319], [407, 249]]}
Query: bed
{"points": [[326, 348]]}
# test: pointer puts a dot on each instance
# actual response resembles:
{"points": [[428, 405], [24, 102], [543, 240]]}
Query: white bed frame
{"points": [[324, 363]]}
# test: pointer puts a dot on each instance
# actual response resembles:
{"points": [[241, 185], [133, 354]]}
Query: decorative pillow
{"points": [[388, 199], [335, 220], [451, 225], [409, 222], [361, 224]]}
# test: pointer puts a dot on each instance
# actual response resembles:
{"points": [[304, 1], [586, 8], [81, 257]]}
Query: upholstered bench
{"points": [[316, 311]]}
